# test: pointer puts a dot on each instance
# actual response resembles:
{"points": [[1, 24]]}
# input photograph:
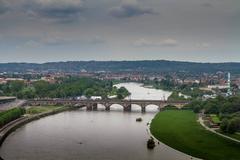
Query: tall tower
{"points": [[229, 92]]}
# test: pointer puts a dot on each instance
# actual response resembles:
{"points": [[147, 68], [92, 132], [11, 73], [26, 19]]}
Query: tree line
{"points": [[154, 66], [169, 84], [63, 88], [10, 115], [228, 110]]}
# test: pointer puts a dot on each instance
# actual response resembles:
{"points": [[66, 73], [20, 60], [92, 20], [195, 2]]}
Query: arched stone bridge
{"points": [[92, 104]]}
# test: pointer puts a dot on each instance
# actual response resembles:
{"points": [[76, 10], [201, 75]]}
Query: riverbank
{"points": [[181, 131], [12, 126], [159, 142]]}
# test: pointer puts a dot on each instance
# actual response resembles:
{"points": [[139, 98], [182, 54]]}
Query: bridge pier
{"points": [[89, 107], [94, 107], [127, 108], [107, 107], [143, 109]]}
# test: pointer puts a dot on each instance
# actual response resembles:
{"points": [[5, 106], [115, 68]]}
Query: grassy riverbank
{"points": [[41, 109], [180, 130], [235, 135]]}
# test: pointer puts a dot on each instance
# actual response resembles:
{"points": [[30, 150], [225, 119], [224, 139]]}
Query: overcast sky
{"points": [[62, 30]]}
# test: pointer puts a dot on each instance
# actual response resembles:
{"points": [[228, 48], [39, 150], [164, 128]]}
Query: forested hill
{"points": [[116, 66]]}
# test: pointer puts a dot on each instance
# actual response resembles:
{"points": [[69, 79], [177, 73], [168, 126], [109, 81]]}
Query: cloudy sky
{"points": [[61, 30]]}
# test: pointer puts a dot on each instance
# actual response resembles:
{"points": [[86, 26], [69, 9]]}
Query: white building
{"points": [[218, 86], [96, 98]]}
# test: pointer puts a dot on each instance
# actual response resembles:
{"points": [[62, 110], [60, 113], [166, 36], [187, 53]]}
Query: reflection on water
{"points": [[95, 135]]}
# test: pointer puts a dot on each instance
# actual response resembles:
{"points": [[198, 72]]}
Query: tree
{"points": [[196, 105], [224, 125], [212, 107], [197, 108], [16, 86], [89, 92], [232, 126], [27, 93], [42, 88], [122, 93]]}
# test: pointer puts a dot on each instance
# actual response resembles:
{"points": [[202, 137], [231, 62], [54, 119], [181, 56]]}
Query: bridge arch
{"points": [[101, 106], [152, 108], [136, 107], [116, 106]]}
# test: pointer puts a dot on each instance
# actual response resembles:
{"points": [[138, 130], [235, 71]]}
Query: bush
{"points": [[224, 125], [230, 126], [234, 125], [197, 109], [10, 115], [195, 105], [122, 93]]}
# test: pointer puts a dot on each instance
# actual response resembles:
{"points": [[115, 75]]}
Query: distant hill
{"points": [[123, 66]]}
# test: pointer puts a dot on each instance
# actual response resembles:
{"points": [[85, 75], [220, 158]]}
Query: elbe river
{"points": [[95, 135]]}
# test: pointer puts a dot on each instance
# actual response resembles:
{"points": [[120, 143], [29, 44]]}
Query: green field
{"points": [[215, 118], [180, 130], [41, 109], [235, 135]]}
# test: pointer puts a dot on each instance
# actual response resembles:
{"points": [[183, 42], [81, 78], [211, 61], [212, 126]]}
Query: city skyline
{"points": [[75, 30]]}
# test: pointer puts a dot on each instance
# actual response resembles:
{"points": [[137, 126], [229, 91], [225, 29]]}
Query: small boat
{"points": [[138, 119], [150, 143]]}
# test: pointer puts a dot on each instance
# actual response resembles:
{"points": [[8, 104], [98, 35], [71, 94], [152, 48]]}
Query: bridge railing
{"points": [[106, 101]]}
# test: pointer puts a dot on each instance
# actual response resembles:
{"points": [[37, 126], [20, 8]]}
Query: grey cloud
{"points": [[118, 23], [130, 10], [207, 4], [54, 41], [203, 45], [144, 43], [3, 7], [169, 42], [57, 41], [96, 40], [47, 40], [55, 9], [29, 44]]}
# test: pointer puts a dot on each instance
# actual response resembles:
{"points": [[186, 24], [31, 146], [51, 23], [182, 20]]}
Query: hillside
{"points": [[123, 66]]}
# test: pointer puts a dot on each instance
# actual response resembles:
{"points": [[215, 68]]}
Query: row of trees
{"points": [[230, 125], [169, 84], [228, 110], [64, 88], [219, 105], [10, 115]]}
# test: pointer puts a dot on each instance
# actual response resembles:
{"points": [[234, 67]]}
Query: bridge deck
{"points": [[92, 104], [108, 100]]}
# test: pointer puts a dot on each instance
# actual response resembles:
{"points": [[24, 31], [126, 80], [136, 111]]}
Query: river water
{"points": [[95, 135]]}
